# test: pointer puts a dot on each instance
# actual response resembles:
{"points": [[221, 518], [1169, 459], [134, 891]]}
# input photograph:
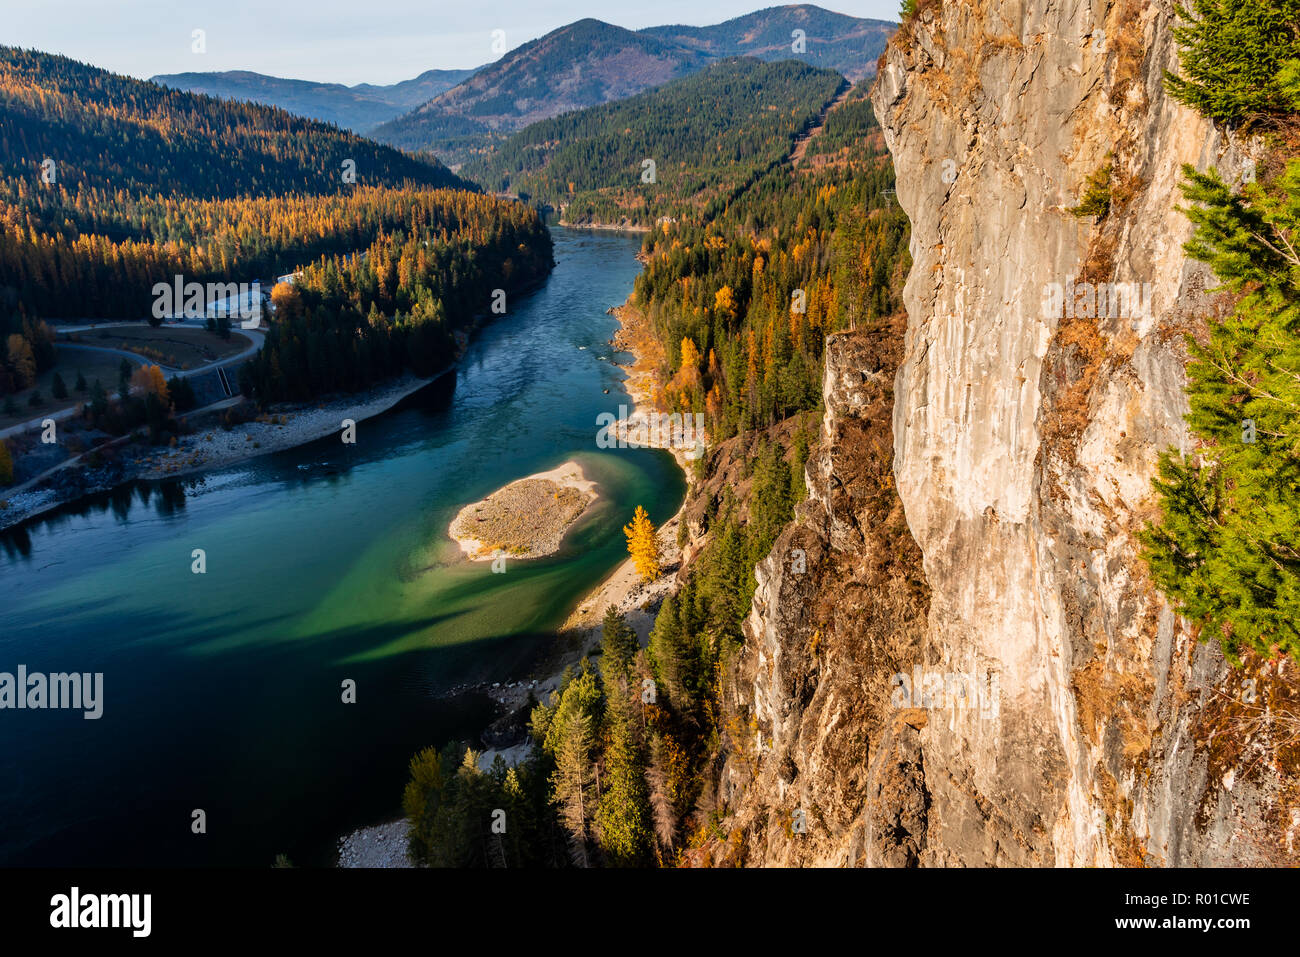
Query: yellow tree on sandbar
{"points": [[643, 544]]}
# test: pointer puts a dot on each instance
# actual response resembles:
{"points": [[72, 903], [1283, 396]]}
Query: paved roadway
{"points": [[255, 335]]}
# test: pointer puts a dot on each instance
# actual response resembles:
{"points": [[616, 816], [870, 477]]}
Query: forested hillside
{"points": [[683, 149], [578, 65], [589, 62], [749, 296], [111, 135], [109, 186], [352, 320]]}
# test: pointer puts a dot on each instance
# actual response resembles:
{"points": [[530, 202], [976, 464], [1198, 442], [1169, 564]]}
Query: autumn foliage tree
{"points": [[149, 380], [643, 544]]}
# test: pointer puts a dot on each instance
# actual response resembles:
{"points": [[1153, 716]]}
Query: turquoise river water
{"points": [[222, 691]]}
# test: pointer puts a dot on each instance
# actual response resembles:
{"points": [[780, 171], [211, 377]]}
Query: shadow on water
{"points": [[362, 769], [169, 496]]}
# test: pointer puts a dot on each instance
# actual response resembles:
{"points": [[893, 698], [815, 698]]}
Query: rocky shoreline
{"points": [[282, 427]]}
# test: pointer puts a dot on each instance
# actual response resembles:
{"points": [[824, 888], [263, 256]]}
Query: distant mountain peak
{"points": [[358, 108], [589, 62]]}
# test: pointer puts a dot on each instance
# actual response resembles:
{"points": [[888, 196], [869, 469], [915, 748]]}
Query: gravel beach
{"points": [[527, 518]]}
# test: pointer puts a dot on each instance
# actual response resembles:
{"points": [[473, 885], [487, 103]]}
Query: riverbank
{"points": [[282, 427], [322, 577], [625, 227], [579, 636], [527, 518], [383, 845], [216, 445], [636, 600]]}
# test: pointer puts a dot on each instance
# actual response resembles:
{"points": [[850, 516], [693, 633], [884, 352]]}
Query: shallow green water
{"points": [[222, 691]]}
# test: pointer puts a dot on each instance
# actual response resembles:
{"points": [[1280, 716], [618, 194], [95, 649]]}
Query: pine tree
{"points": [[6, 464], [643, 544], [618, 642], [98, 399], [58, 387], [1232, 53], [81, 382], [570, 740], [669, 653], [1227, 548], [623, 813]]}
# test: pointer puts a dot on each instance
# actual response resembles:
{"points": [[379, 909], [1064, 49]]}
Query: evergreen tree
{"points": [[618, 643], [570, 740], [623, 813], [98, 400], [1227, 548], [1231, 57], [669, 654], [181, 393]]}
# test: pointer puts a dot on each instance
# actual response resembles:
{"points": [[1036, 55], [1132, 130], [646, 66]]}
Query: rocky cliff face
{"points": [[1029, 699]]}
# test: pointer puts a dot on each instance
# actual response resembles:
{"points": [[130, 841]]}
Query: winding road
{"points": [[255, 335]]}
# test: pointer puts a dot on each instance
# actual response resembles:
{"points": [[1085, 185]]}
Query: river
{"points": [[325, 563]]}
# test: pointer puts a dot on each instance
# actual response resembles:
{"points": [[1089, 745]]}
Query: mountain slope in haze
{"points": [[358, 108], [576, 66], [707, 135], [832, 41], [120, 136]]}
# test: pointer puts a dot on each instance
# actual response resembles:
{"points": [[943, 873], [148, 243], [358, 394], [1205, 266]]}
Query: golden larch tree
{"points": [[150, 379], [643, 544]]}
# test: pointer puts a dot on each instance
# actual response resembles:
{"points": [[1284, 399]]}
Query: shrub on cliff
{"points": [[1096, 195], [1232, 55], [1227, 549]]}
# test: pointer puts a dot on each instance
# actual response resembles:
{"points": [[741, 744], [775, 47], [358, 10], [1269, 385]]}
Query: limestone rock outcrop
{"points": [[1051, 709]]}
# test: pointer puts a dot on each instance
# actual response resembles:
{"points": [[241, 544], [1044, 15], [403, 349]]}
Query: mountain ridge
{"points": [[543, 78], [358, 108], [706, 135], [765, 39]]}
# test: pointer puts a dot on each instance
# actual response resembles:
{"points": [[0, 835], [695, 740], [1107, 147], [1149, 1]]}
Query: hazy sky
{"points": [[344, 41]]}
